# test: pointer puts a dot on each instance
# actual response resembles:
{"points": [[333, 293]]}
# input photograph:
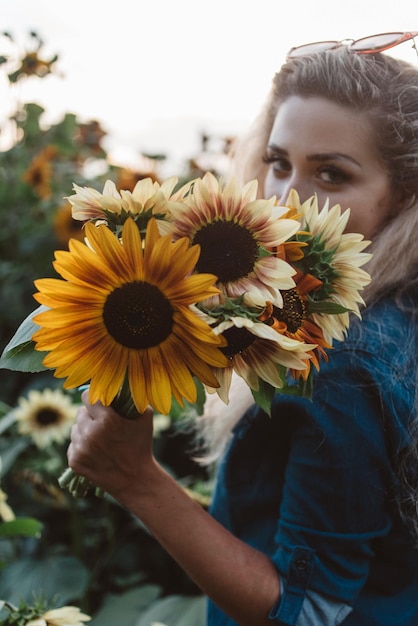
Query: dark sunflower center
{"points": [[138, 315], [46, 416], [293, 311], [228, 250], [37, 177], [239, 339]]}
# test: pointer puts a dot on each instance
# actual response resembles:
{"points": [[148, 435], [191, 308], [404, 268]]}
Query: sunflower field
{"points": [[56, 550]]}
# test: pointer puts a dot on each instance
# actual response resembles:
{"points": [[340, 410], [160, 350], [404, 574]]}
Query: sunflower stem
{"points": [[123, 403], [77, 485]]}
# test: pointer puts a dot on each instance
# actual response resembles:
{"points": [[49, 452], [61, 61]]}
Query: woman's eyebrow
{"points": [[320, 156], [332, 156], [276, 149]]}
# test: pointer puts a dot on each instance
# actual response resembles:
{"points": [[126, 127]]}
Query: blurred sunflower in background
{"points": [[65, 226], [39, 173], [46, 416]]}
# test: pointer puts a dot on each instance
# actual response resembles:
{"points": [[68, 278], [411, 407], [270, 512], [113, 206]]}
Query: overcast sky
{"points": [[157, 72]]}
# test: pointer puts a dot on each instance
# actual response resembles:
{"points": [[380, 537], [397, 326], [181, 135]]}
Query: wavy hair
{"points": [[386, 90]]}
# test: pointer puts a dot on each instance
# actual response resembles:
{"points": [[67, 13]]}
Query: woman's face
{"points": [[318, 146]]}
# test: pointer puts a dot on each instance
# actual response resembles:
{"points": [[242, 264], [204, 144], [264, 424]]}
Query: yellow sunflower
{"points": [[47, 416], [64, 616], [124, 309], [147, 199], [237, 234], [39, 173], [335, 258], [257, 351]]}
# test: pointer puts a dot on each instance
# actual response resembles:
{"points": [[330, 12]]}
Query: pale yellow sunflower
{"points": [[335, 258], [256, 351], [237, 234], [124, 309], [6, 512], [64, 616], [148, 199], [47, 416]]}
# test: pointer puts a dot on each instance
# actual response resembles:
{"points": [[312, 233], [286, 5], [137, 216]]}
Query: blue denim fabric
{"points": [[314, 486]]}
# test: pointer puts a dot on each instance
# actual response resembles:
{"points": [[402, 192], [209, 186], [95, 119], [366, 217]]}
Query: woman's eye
{"points": [[333, 175], [279, 164]]}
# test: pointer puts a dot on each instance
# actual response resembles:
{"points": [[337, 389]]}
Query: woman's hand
{"points": [[113, 452]]}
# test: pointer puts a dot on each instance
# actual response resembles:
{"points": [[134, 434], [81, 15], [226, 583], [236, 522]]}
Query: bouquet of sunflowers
{"points": [[176, 289]]}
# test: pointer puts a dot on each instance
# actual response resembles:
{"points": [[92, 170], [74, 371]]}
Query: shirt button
{"points": [[301, 565]]}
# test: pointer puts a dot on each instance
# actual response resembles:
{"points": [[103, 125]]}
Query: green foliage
{"points": [[20, 354], [19, 615], [24, 526], [318, 258], [264, 395], [60, 574], [92, 552]]}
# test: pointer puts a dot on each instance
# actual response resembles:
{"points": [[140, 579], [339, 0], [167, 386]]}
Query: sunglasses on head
{"points": [[366, 45]]}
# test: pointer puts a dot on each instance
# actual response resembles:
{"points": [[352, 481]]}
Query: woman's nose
{"points": [[303, 188]]}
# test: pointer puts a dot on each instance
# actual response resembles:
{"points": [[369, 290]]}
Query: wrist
{"points": [[144, 490]]}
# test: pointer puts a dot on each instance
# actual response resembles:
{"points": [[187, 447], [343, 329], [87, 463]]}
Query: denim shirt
{"points": [[314, 486]]}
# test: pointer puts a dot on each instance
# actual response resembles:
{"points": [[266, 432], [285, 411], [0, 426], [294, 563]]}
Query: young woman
{"points": [[314, 518]]}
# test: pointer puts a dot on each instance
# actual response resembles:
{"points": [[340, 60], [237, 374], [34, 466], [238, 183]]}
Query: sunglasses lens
{"points": [[311, 48], [377, 42]]}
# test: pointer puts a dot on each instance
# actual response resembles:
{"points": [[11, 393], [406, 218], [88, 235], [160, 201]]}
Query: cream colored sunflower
{"points": [[237, 234], [257, 351], [335, 258], [6, 512], [64, 616], [148, 199], [46, 416]]}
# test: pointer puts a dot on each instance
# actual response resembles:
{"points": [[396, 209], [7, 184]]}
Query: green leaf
{"points": [[20, 355], [6, 421], [131, 604], [190, 410], [176, 610], [26, 329], [303, 388], [23, 358], [330, 308], [49, 576], [10, 450], [24, 526], [264, 396]]}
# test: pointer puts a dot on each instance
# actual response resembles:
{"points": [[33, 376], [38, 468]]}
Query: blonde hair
{"points": [[384, 88]]}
